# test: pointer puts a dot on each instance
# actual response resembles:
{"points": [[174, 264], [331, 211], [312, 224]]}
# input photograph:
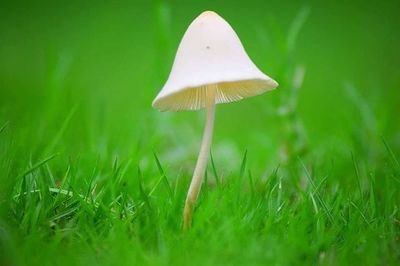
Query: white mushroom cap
{"points": [[210, 55]]}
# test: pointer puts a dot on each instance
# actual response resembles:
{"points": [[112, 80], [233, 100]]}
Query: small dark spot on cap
{"points": [[207, 47]]}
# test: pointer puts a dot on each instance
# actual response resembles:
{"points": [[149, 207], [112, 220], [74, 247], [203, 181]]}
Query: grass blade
{"points": [[243, 165], [295, 28], [142, 191], [3, 128], [393, 158], [358, 176], [39, 164], [161, 170], [251, 184], [361, 213], [61, 130], [241, 175], [316, 192], [214, 169]]}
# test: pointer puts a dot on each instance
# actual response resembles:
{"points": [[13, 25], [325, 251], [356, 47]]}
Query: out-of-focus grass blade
{"points": [[358, 176], [251, 183], [61, 130], [241, 174], [371, 200], [217, 180], [39, 164], [367, 115], [171, 194], [393, 158], [243, 165], [123, 170], [51, 176], [205, 184], [91, 182], [3, 127], [361, 213], [141, 189], [295, 28], [394, 162], [22, 200]]}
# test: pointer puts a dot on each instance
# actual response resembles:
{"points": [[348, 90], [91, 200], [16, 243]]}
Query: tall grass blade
{"points": [[3, 127], [39, 164], [144, 195], [161, 170], [61, 130], [358, 176], [214, 169], [316, 192], [243, 164], [296, 26]]}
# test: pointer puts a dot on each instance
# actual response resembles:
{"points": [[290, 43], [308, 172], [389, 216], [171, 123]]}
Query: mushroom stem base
{"points": [[201, 164]]}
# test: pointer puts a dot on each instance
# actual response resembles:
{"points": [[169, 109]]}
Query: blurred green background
{"points": [[106, 61], [77, 79]]}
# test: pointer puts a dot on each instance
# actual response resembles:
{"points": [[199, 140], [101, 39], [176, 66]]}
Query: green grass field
{"points": [[307, 174]]}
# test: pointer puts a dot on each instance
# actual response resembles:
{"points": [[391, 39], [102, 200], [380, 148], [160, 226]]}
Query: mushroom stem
{"points": [[201, 164]]}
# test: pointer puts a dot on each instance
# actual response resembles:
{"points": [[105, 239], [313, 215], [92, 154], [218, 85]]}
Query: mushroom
{"points": [[210, 67]]}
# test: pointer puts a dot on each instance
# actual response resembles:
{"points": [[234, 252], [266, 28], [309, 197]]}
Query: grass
{"points": [[117, 216], [91, 175]]}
